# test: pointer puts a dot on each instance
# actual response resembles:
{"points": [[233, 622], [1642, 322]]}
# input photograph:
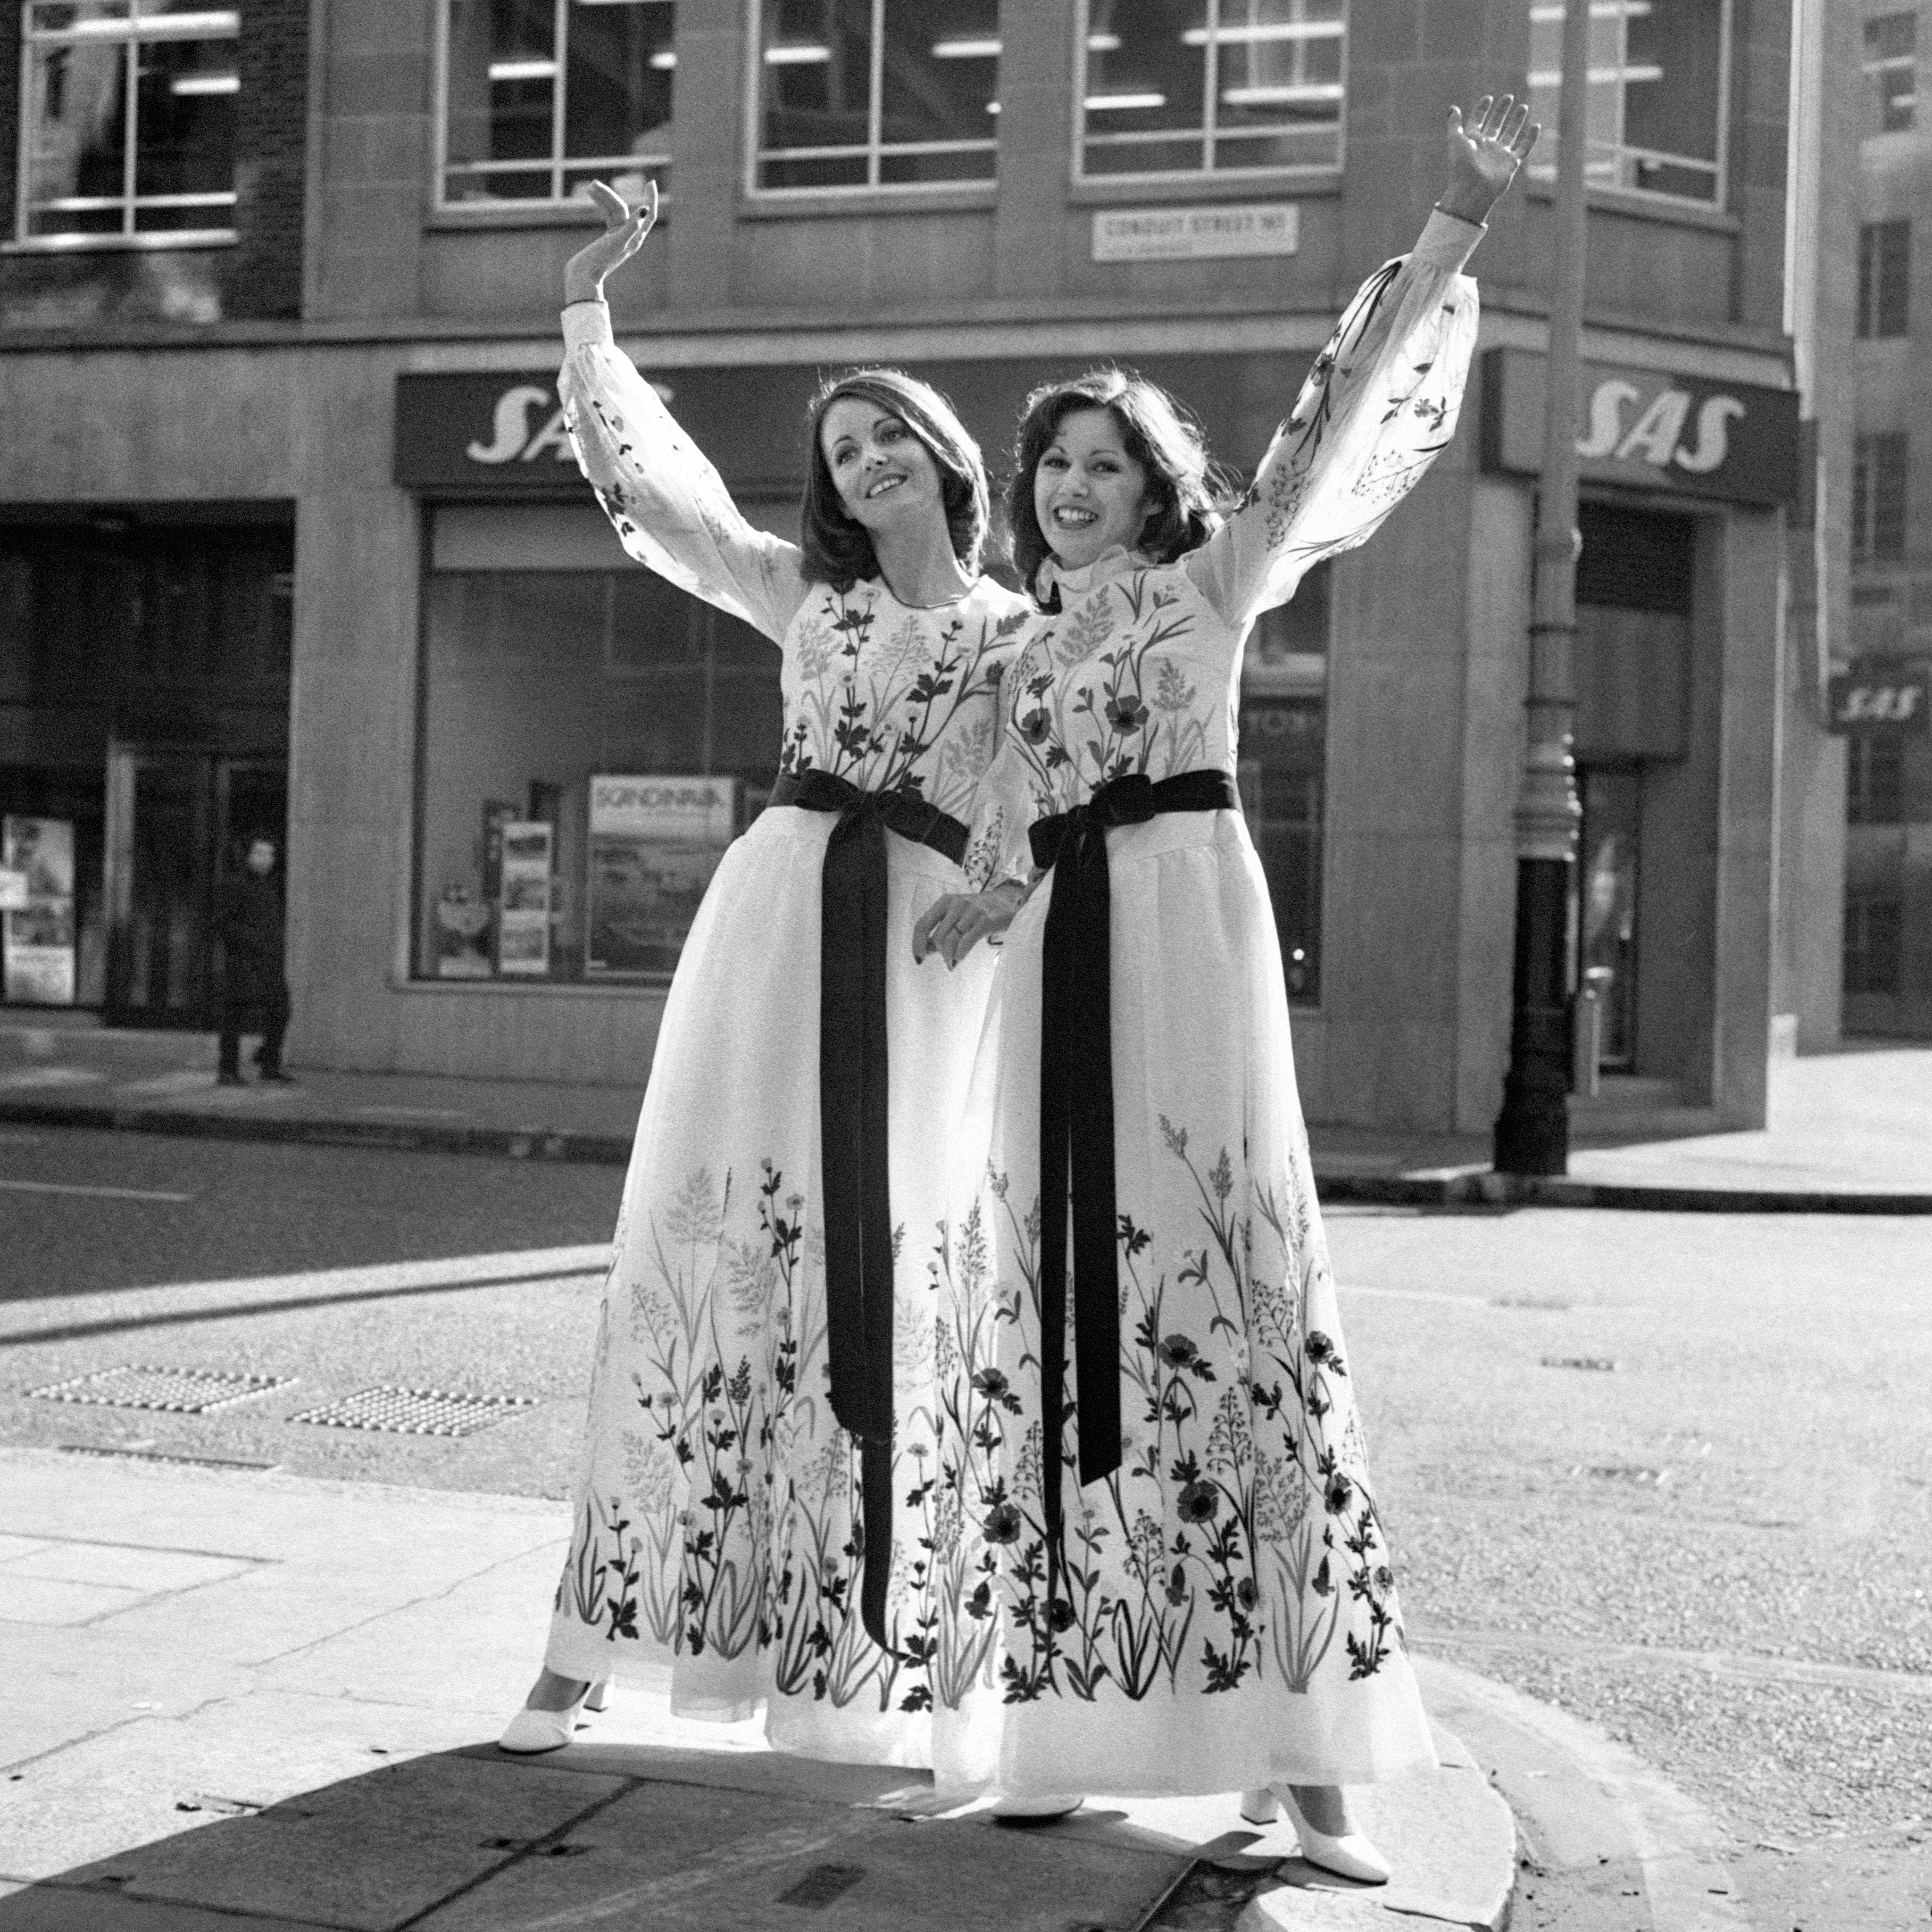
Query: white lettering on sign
{"points": [[675, 808], [1196, 234], [511, 439], [1657, 435], [1880, 704]]}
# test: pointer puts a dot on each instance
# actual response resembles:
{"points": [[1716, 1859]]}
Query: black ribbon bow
{"points": [[854, 1167], [1076, 1116]]}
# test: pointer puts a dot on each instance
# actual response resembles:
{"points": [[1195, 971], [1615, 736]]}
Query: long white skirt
{"points": [[1226, 1613], [717, 1510]]}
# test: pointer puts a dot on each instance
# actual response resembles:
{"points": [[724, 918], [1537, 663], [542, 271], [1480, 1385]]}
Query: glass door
{"points": [[1611, 818], [158, 887]]}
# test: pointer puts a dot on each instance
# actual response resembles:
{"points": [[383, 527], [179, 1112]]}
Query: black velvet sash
{"points": [[853, 1165], [1076, 1116]]}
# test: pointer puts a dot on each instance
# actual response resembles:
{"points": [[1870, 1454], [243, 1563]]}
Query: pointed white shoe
{"points": [[530, 1731], [1351, 1855]]}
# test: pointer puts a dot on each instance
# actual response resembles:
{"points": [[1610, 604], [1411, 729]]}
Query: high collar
{"points": [[1053, 580]]}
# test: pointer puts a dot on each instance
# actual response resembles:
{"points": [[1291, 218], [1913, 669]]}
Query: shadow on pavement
{"points": [[630, 1836]]}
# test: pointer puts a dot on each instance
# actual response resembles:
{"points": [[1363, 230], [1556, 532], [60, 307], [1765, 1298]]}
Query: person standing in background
{"points": [[254, 984]]}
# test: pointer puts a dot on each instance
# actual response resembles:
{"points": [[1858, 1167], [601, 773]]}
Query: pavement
{"points": [[1849, 1131], [239, 1699]]}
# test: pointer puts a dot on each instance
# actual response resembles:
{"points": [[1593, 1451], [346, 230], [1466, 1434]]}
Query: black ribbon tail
{"points": [[855, 1177], [1096, 1271], [1059, 991]]}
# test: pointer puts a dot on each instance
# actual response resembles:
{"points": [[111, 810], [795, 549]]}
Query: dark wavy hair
{"points": [[839, 550], [1160, 435]]}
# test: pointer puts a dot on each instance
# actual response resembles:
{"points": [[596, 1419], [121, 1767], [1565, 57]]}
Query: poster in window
{"points": [[655, 842], [523, 914], [37, 863]]}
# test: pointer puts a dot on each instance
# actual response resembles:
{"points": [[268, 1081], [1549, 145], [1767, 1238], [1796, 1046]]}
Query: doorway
{"points": [[179, 824]]}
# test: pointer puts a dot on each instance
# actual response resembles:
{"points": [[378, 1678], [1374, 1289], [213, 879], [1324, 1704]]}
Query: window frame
{"points": [[129, 237], [1871, 71], [516, 207], [1540, 175], [1207, 176], [875, 149], [1872, 315], [1870, 451]]}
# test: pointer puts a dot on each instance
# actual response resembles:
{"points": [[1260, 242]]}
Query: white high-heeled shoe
{"points": [[1351, 1855], [531, 1731]]}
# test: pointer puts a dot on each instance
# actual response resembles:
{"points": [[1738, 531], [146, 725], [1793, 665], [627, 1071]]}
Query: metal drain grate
{"points": [[415, 1411], [178, 1391]]}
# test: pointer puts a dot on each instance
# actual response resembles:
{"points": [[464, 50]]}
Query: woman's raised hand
{"points": [[1484, 153], [624, 232]]}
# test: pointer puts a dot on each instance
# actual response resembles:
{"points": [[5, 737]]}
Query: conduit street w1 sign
{"points": [[1659, 430], [1196, 234]]}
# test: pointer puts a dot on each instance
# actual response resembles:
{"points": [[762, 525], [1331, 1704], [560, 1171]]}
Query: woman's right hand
{"points": [[953, 926], [623, 235]]}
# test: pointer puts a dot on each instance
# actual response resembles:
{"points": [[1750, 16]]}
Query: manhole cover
{"points": [[415, 1411], [179, 1391]]}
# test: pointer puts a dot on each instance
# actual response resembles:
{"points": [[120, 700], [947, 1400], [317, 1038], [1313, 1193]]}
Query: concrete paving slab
{"points": [[672, 1858], [49, 1908], [40, 1600], [740, 1762], [83, 1805], [127, 1566], [65, 1684], [371, 1852], [13, 1546]]}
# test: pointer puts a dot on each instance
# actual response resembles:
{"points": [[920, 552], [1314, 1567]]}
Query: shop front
{"points": [[1678, 642], [144, 706]]}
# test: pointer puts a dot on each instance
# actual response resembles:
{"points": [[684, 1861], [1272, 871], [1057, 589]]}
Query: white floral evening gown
{"points": [[718, 1522], [1223, 1612]]}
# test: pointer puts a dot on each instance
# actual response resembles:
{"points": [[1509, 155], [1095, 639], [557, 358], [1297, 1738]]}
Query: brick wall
{"points": [[261, 276]]}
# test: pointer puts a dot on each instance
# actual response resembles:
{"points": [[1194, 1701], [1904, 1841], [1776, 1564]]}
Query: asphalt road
{"points": [[1672, 1473]]}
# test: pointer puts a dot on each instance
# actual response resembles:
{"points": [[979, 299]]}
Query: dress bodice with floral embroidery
{"points": [[1139, 668], [881, 694]]}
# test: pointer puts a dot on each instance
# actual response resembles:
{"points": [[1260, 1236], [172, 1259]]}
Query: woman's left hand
{"points": [[1484, 153], [953, 926]]}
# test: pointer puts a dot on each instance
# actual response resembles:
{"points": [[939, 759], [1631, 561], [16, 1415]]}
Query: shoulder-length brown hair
{"points": [[838, 551], [1161, 435]]}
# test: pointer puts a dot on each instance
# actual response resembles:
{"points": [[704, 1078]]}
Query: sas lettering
{"points": [[1656, 436], [1880, 704], [511, 437]]}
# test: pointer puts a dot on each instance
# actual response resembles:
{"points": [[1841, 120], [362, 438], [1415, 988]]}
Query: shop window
{"points": [[1658, 102], [1874, 935], [1878, 498], [541, 96], [1283, 769], [1875, 779], [591, 739], [872, 94], [1210, 87], [1885, 278], [127, 128], [1891, 75]]}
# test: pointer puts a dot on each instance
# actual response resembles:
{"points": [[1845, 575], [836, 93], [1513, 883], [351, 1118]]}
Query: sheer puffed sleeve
{"points": [[669, 507], [996, 847], [1379, 405]]}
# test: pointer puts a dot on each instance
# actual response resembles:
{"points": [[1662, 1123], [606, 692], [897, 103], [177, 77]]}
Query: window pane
{"points": [[185, 124], [503, 69], [1142, 72], [941, 72], [536, 681], [618, 69], [815, 78], [76, 139], [1278, 64], [1891, 44]]}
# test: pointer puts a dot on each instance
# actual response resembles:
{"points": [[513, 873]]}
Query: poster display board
{"points": [[523, 899], [655, 842], [36, 889]]}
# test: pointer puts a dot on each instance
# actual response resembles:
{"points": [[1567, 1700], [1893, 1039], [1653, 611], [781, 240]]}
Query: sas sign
{"points": [[1729, 440], [486, 431], [1874, 702]]}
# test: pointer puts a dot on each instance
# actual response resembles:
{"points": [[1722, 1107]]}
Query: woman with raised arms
{"points": [[760, 1412], [1163, 1568]]}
